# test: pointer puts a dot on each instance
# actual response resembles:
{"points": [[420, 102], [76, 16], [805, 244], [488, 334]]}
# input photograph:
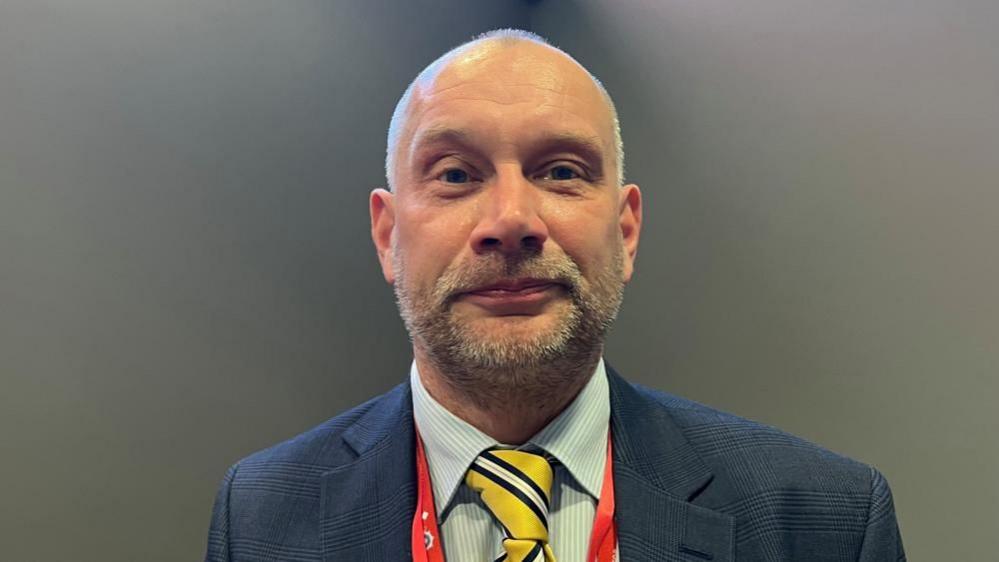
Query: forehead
{"points": [[509, 93]]}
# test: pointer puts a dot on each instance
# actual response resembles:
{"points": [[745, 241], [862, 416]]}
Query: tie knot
{"points": [[516, 487], [528, 466]]}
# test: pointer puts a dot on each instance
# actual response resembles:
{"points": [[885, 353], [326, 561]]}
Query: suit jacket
{"points": [[691, 484]]}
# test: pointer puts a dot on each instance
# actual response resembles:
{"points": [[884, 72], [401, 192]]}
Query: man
{"points": [[508, 237]]}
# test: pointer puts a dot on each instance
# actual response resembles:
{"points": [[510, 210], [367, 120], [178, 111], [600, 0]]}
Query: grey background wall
{"points": [[186, 269], [185, 273], [822, 192]]}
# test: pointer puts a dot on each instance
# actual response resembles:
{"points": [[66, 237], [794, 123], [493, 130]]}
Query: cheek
{"points": [[431, 240], [587, 237]]}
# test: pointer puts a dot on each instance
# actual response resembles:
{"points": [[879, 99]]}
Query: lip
{"points": [[518, 297], [514, 286]]}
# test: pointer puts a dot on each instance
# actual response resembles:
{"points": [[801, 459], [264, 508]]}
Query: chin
{"points": [[514, 327], [514, 341]]}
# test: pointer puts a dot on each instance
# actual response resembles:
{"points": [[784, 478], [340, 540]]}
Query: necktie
{"points": [[516, 487]]}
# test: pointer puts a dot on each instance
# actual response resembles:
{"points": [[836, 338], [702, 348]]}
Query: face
{"points": [[507, 238]]}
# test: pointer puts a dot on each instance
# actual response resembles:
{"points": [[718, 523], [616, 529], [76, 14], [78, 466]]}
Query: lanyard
{"points": [[426, 542]]}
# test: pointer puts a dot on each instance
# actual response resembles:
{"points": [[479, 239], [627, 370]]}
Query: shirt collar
{"points": [[577, 438]]}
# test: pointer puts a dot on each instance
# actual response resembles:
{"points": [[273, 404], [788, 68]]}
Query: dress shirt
{"points": [[575, 441]]}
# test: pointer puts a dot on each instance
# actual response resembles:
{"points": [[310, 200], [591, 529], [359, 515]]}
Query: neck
{"points": [[515, 404]]}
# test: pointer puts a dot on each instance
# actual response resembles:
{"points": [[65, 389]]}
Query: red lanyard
{"points": [[426, 541]]}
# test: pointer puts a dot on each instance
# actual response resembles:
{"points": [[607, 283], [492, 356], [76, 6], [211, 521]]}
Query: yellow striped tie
{"points": [[516, 487]]}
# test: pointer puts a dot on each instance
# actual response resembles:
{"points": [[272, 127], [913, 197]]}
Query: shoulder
{"points": [[330, 444], [786, 494], [285, 482], [755, 457]]}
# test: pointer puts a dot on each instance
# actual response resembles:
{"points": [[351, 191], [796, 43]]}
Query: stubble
{"points": [[490, 367]]}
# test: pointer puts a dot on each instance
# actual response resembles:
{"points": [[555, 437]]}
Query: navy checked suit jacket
{"points": [[691, 484]]}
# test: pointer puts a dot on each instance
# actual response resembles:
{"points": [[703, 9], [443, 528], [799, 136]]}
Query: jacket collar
{"points": [[367, 503], [657, 478]]}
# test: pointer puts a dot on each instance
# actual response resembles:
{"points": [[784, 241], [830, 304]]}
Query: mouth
{"points": [[515, 286], [518, 296]]}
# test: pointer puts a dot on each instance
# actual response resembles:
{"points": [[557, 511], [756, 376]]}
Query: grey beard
{"points": [[531, 371]]}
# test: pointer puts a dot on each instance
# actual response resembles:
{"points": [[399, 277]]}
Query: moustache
{"points": [[497, 270]]}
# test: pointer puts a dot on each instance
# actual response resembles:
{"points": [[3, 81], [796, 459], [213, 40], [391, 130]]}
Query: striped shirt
{"points": [[576, 441]]}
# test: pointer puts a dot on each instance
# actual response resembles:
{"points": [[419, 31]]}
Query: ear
{"points": [[382, 208], [630, 220]]}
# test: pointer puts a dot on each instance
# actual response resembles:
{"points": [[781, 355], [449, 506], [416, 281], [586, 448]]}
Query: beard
{"points": [[489, 364]]}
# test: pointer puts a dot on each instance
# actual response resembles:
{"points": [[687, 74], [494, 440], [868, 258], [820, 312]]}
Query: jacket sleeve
{"points": [[218, 533], [882, 540]]}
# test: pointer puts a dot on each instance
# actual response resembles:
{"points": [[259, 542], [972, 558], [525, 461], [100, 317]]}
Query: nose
{"points": [[510, 222]]}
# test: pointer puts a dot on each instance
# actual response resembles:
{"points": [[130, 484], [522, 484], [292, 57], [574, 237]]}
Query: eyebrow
{"points": [[440, 135], [588, 147]]}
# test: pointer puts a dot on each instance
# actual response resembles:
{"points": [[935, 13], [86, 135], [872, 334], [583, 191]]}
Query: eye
{"points": [[562, 173], [454, 175]]}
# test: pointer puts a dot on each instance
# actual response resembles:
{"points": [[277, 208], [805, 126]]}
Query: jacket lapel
{"points": [[368, 502], [657, 478]]}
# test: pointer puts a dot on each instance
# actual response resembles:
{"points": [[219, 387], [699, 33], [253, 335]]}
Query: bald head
{"points": [[508, 60]]}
